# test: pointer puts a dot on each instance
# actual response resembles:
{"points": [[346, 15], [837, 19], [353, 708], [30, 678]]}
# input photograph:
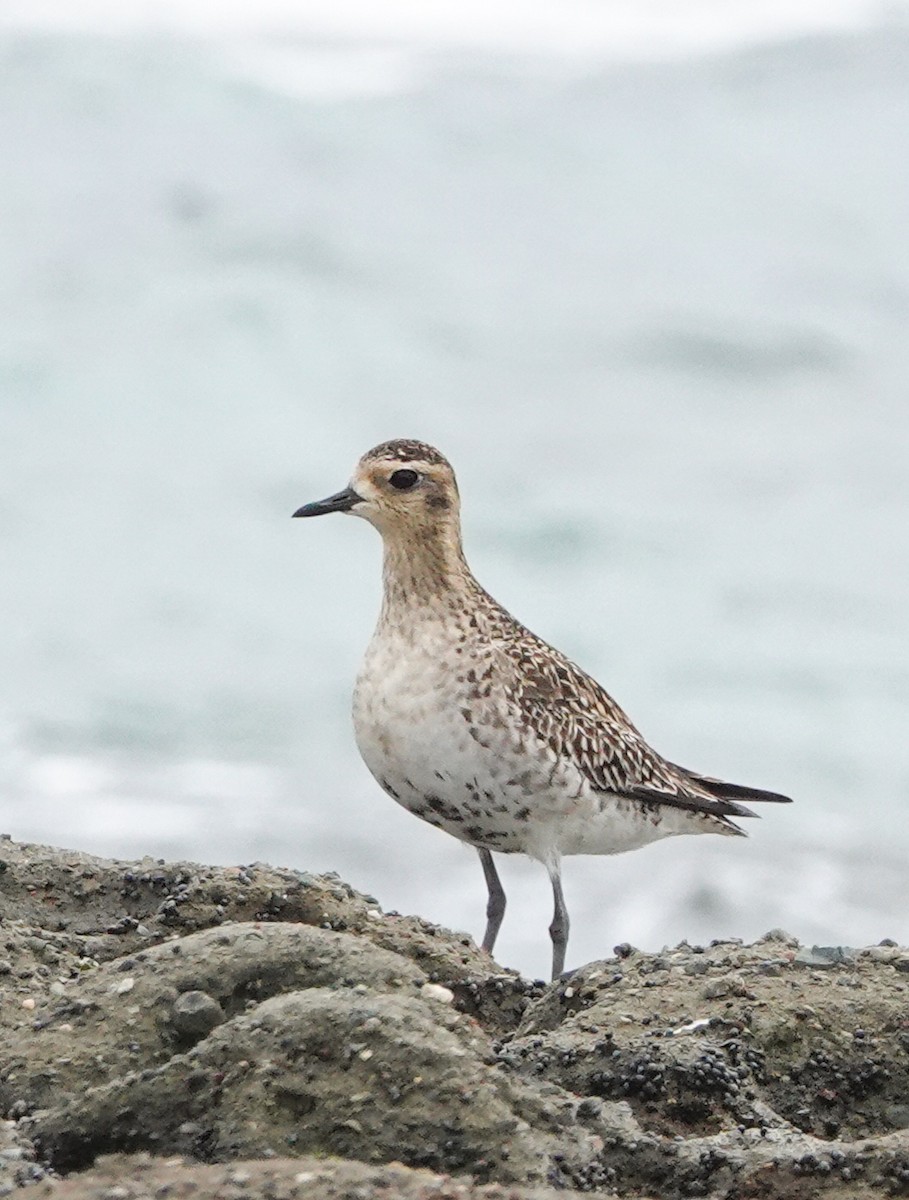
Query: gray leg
{"points": [[495, 906], [558, 930]]}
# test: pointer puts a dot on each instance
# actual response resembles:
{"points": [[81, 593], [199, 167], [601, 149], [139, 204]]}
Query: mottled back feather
{"points": [[579, 720]]}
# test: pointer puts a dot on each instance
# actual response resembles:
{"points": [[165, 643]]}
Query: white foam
{"points": [[320, 72], [620, 28]]}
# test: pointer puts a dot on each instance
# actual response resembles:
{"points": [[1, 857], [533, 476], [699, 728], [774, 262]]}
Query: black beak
{"points": [[339, 502]]}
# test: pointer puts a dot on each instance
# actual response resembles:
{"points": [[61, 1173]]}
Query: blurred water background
{"points": [[640, 270]]}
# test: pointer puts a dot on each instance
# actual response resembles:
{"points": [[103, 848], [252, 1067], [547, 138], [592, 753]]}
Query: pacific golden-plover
{"points": [[477, 726]]}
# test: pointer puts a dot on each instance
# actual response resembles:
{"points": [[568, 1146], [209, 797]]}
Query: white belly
{"points": [[476, 772]]}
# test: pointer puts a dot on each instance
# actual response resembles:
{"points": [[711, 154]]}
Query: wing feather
{"points": [[580, 720]]}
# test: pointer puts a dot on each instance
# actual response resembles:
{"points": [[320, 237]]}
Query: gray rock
{"points": [[98, 1031], [822, 957], [319, 1028], [195, 1014], [330, 1072]]}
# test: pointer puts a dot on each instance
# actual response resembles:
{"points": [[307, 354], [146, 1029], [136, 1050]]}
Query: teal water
{"points": [[655, 314]]}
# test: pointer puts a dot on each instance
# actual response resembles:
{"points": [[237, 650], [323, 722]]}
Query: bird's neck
{"points": [[424, 571]]}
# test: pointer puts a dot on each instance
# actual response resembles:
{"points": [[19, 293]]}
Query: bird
{"points": [[479, 727]]}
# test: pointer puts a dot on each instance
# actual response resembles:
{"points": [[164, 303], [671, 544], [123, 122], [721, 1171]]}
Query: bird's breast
{"points": [[409, 715], [440, 736]]}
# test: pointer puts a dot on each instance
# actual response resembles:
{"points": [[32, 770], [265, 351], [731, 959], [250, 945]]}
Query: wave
{"points": [[631, 29]]}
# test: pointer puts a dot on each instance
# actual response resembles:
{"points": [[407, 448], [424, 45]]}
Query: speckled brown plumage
{"points": [[480, 728], [405, 450]]}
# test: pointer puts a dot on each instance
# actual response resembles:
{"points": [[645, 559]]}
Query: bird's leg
{"points": [[495, 906], [558, 930]]}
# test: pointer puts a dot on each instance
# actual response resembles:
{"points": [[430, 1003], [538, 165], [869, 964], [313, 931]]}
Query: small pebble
{"points": [[195, 1014], [435, 991], [824, 957], [727, 985], [700, 966]]}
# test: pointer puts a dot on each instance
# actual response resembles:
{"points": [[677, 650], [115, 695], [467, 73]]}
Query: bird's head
{"points": [[402, 487]]}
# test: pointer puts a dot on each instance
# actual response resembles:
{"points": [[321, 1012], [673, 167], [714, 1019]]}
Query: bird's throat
{"points": [[425, 568]]}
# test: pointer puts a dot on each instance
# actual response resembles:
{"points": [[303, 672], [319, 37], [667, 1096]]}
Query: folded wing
{"points": [[580, 720]]}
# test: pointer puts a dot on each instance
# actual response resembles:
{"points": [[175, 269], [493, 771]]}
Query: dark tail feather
{"points": [[713, 806], [735, 791], [711, 796]]}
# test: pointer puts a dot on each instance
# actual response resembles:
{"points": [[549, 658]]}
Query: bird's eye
{"points": [[403, 480]]}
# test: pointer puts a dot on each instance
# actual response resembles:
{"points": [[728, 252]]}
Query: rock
{"points": [[435, 991], [141, 1176], [109, 1034], [266, 1024], [195, 1013], [822, 957], [779, 935], [101, 904], [18, 1165], [699, 966], [335, 1072], [725, 985]]}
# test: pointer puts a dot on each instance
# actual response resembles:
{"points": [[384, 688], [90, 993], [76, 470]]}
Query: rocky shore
{"points": [[168, 1029]]}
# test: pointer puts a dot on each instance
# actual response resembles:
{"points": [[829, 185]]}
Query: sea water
{"points": [[649, 294]]}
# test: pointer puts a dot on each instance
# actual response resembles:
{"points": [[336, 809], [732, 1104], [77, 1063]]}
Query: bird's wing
{"points": [[578, 719]]}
